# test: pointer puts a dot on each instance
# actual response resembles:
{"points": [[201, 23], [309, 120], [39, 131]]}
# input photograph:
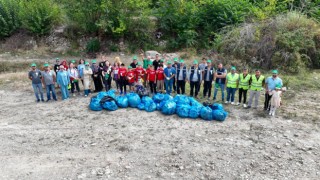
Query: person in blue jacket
{"points": [[63, 81], [169, 73], [181, 77]]}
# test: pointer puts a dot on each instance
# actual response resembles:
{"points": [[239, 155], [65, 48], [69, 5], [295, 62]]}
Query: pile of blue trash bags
{"points": [[183, 106]]}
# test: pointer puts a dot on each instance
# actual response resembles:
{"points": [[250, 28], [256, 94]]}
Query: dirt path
{"points": [[65, 140]]}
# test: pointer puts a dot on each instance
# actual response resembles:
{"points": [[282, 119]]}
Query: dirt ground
{"points": [[65, 140]]}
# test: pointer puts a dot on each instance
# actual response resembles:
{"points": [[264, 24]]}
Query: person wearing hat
{"points": [[49, 79], [63, 81], [140, 72], [87, 73], [134, 62], [275, 101], [220, 82], [232, 82], [96, 76], [195, 77], [130, 76], [74, 78], [244, 79], [35, 76], [175, 66], [160, 78], [56, 65], [257, 82], [181, 77], [156, 62], [270, 85], [208, 76], [122, 79], [169, 73], [147, 62]]}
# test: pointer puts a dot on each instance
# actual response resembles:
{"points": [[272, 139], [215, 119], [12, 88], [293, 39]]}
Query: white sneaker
{"points": [[238, 103], [73, 95], [232, 103], [270, 113], [85, 95], [244, 105], [226, 102], [273, 113]]}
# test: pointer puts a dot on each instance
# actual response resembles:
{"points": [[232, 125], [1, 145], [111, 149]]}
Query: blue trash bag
{"points": [[194, 102], [133, 100], [217, 106], [122, 101], [206, 113], [141, 106], [95, 104], [167, 97], [219, 115], [146, 99], [159, 108], [112, 93], [183, 110], [169, 107], [181, 99], [194, 112], [150, 107], [100, 95], [157, 98], [110, 105]]}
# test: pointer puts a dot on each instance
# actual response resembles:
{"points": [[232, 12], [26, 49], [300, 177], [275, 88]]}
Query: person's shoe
{"points": [[273, 113], [56, 99], [42, 100], [120, 93], [85, 95], [47, 100], [38, 100], [244, 105], [226, 102], [214, 99], [270, 113], [232, 103], [73, 95], [238, 103], [248, 107]]}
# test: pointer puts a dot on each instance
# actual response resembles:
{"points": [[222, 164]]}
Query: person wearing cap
{"points": [[140, 72], [220, 82], [169, 73], [275, 101], [151, 79], [147, 62], [130, 76], [181, 77], [80, 68], [63, 81], [156, 62], [122, 79], [87, 73], [106, 74], [195, 77], [257, 82], [232, 82], [134, 62], [49, 79], [270, 85], [96, 76], [175, 66], [244, 79], [160, 79], [56, 65], [35, 76], [74, 78], [208, 76]]}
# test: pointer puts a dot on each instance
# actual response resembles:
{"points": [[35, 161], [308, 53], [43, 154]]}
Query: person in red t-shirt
{"points": [[130, 76], [160, 78], [139, 72], [122, 79], [151, 78]]}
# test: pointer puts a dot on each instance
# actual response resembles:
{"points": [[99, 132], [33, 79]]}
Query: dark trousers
{"points": [[107, 84], [244, 93], [75, 85], [174, 84], [267, 101], [181, 85], [152, 86], [194, 87], [97, 83], [207, 88], [122, 83]]}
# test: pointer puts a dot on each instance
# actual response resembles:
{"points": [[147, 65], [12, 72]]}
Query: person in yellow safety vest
{"points": [[256, 83], [232, 85], [244, 79]]}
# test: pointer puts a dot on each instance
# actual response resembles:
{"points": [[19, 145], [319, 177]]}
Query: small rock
{"points": [[82, 176], [278, 147], [175, 152], [181, 167]]}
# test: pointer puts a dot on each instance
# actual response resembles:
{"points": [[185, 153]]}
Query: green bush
{"points": [[39, 16], [9, 17], [93, 46]]}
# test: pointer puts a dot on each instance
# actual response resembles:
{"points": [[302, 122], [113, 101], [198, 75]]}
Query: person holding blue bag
{"points": [[63, 81], [169, 73]]}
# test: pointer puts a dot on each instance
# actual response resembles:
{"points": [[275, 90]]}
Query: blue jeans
{"points": [[169, 84], [231, 92], [87, 91], [64, 91], [37, 88], [216, 88], [51, 88]]}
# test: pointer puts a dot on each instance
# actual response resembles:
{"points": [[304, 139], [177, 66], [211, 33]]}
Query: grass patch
{"points": [[8, 66]]}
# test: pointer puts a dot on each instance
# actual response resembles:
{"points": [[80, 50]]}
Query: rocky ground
{"points": [[65, 140]]}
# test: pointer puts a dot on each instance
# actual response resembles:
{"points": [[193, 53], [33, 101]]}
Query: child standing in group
{"points": [[87, 72], [275, 99], [160, 78], [130, 76], [151, 78], [122, 79]]}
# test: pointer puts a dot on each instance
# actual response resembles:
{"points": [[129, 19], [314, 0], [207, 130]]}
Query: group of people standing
{"points": [[155, 75]]}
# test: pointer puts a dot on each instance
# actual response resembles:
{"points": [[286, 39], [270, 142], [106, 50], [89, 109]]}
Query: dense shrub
{"points": [[93, 46], [9, 17]]}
